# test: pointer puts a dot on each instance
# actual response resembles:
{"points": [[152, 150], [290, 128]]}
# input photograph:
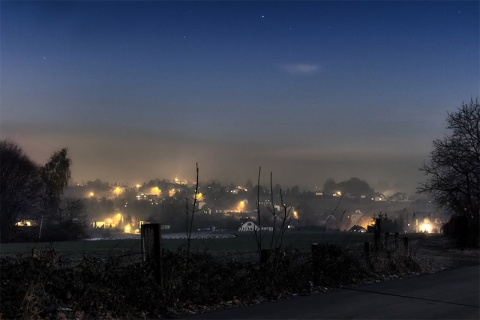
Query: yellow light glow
{"points": [[24, 223], [138, 185], [128, 228], [99, 224], [155, 191], [118, 216], [241, 206], [91, 194], [199, 196], [171, 192], [295, 215], [117, 191], [425, 227]]}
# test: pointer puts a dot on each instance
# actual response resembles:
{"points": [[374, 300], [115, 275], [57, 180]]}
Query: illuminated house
{"points": [[25, 223]]}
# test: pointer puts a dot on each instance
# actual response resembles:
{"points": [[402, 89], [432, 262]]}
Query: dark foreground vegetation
{"points": [[45, 285]]}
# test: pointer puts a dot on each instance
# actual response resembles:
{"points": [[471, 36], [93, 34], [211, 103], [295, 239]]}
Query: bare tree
{"points": [[453, 171], [285, 217], [281, 219], [56, 174], [190, 213], [259, 234], [20, 187]]}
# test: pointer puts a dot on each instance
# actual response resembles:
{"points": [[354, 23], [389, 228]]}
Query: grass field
{"points": [[243, 243]]}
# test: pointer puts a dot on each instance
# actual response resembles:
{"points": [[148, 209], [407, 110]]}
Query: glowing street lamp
{"points": [[241, 206], [117, 191], [295, 215]]}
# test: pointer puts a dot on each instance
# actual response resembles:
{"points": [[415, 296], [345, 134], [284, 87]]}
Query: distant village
{"points": [[118, 208]]}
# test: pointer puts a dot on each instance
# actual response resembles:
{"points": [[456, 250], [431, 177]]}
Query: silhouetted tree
{"points": [[98, 185], [351, 186], [295, 191], [249, 185], [20, 187], [55, 175], [73, 226], [355, 186], [329, 187], [453, 170]]}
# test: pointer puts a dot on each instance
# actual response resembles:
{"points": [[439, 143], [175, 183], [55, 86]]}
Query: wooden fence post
{"points": [[366, 247], [406, 246], [387, 238], [316, 261], [152, 249], [396, 241], [264, 256], [378, 231]]}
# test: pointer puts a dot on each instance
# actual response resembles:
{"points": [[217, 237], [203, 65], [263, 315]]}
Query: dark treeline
{"points": [[33, 192]]}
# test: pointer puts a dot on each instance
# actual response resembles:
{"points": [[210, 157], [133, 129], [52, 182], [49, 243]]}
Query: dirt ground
{"points": [[440, 253]]}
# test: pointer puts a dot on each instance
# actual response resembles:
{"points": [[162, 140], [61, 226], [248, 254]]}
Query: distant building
{"points": [[377, 196], [251, 226], [248, 226]]}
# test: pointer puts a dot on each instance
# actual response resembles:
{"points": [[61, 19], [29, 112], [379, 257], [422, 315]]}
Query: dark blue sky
{"points": [[308, 90]]}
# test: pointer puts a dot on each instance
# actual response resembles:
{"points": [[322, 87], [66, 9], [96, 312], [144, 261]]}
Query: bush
{"points": [[465, 229], [45, 285]]}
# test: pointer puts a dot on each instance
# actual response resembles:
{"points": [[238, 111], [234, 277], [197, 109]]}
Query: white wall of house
{"points": [[248, 226], [251, 226]]}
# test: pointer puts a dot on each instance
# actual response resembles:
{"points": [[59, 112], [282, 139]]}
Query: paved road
{"points": [[451, 294]]}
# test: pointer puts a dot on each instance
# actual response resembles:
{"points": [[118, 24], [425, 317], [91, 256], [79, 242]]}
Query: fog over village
{"points": [[333, 206]]}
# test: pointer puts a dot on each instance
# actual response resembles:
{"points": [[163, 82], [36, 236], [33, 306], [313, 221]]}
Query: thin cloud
{"points": [[301, 68]]}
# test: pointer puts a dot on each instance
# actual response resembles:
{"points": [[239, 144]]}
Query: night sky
{"points": [[308, 90]]}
